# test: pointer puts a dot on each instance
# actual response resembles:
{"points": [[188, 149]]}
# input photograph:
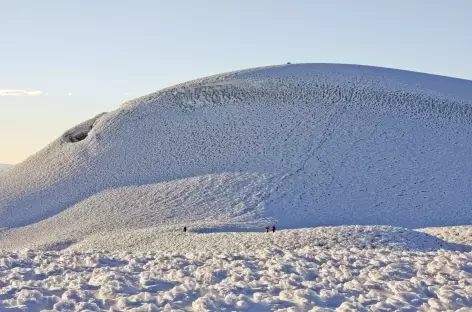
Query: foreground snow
{"points": [[340, 268]]}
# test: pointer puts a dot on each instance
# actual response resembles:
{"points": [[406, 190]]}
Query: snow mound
{"points": [[296, 145]]}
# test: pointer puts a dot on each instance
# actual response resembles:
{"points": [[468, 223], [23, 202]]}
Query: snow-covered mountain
{"points": [[295, 145]]}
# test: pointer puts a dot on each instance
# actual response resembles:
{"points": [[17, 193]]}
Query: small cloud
{"points": [[20, 92], [128, 93], [70, 93], [46, 93]]}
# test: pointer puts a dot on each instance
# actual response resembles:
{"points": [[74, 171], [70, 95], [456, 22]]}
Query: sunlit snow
{"points": [[333, 269], [344, 160]]}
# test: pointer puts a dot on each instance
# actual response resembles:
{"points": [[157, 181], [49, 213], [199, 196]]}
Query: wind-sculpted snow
{"points": [[301, 277], [454, 234], [297, 145]]}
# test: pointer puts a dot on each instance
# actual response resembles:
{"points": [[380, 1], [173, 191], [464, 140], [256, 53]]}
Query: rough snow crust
{"points": [[297, 145], [454, 234], [356, 269]]}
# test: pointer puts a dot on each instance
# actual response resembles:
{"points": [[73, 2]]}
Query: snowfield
{"points": [[344, 269], [345, 160]]}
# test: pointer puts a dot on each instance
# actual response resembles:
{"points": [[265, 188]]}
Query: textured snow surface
{"points": [[296, 146], [362, 237], [454, 234], [3, 166], [356, 269]]}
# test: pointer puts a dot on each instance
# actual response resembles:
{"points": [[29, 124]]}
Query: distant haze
{"points": [[4, 166]]}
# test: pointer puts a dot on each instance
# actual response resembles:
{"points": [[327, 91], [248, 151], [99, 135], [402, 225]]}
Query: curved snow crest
{"points": [[404, 92], [316, 144]]}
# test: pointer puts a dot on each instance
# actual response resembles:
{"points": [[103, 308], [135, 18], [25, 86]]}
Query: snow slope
{"points": [[3, 166], [296, 145]]}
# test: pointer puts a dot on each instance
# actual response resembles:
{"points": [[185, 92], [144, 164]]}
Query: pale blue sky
{"points": [[99, 51]]}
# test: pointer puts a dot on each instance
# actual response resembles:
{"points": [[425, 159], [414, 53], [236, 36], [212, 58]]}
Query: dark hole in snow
{"points": [[78, 137], [81, 131]]}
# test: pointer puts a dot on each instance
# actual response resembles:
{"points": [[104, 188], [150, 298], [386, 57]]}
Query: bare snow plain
{"points": [[346, 159]]}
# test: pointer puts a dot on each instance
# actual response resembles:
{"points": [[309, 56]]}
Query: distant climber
{"points": [[267, 229], [185, 229], [273, 228]]}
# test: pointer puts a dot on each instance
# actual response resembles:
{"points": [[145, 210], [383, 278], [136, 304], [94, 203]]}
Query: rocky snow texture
{"points": [[295, 145], [331, 269]]}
